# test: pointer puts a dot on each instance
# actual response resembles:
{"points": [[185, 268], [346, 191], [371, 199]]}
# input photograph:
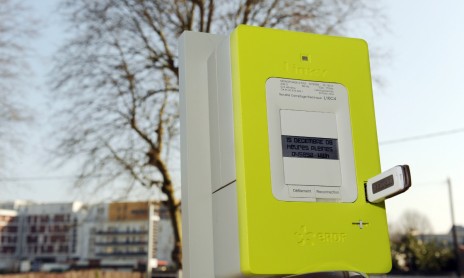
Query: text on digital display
{"points": [[309, 147]]}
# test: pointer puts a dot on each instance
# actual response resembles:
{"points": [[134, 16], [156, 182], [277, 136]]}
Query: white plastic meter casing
{"points": [[310, 142]]}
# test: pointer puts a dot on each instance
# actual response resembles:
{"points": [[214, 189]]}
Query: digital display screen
{"points": [[309, 147]]}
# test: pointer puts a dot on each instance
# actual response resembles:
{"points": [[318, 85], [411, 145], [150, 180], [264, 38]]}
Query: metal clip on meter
{"points": [[388, 184]]}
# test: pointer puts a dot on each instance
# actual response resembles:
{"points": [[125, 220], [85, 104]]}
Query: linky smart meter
{"points": [[293, 141]]}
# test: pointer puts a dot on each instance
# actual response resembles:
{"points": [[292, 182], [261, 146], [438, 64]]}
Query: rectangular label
{"points": [[383, 184], [328, 192], [301, 191], [309, 147]]}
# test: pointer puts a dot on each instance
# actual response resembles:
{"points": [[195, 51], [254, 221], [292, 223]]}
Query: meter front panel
{"points": [[310, 141]]}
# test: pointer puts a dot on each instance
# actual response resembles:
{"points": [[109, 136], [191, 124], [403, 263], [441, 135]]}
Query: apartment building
{"points": [[445, 239], [119, 234], [9, 237], [122, 235], [165, 241], [17, 205], [50, 232]]}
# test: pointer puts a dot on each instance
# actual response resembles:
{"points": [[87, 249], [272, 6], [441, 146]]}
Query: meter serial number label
{"points": [[309, 147]]}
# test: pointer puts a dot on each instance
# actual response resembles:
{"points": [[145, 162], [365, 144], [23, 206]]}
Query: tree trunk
{"points": [[173, 205]]}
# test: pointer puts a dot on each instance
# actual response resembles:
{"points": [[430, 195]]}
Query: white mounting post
{"points": [[197, 226]]}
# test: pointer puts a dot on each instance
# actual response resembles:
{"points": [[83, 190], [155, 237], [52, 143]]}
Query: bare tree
{"points": [[117, 77], [412, 252], [15, 31], [414, 222]]}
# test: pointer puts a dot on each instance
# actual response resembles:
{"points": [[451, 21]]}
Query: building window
{"points": [[59, 218]]}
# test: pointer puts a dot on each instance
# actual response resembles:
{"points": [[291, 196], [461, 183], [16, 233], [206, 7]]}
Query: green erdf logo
{"points": [[305, 237]]}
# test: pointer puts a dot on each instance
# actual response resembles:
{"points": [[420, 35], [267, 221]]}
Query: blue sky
{"points": [[424, 94]]}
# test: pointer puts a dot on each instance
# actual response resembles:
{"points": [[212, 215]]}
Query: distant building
{"points": [[9, 237], [119, 234], [91, 217], [165, 242], [49, 232], [445, 239], [17, 205]]}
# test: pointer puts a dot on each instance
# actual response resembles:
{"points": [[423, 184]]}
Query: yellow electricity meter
{"points": [[279, 151], [293, 140]]}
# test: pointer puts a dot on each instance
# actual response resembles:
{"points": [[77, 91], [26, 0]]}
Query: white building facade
{"points": [[111, 235], [50, 233], [9, 238]]}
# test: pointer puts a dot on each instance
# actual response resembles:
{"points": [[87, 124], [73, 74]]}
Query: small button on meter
{"points": [[388, 184]]}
